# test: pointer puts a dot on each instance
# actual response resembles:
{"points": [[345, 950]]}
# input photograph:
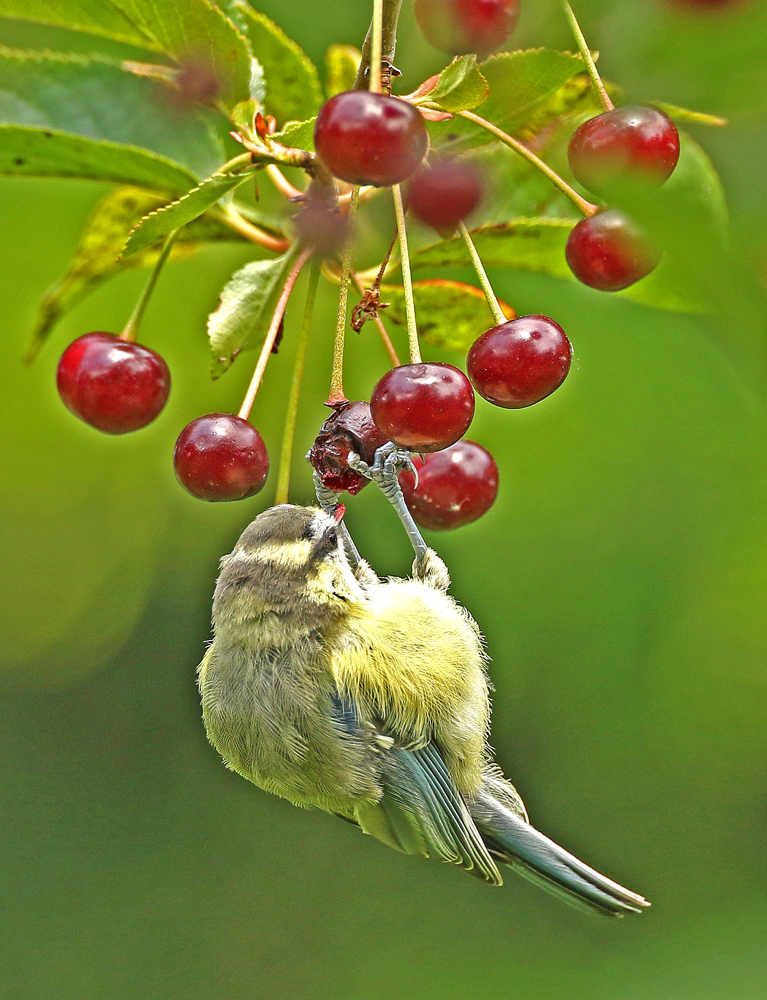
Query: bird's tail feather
{"points": [[516, 843]]}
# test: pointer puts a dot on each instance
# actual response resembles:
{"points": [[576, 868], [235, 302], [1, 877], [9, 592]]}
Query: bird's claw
{"points": [[388, 462]]}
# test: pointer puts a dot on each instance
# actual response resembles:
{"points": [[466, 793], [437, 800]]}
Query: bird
{"points": [[368, 699]]}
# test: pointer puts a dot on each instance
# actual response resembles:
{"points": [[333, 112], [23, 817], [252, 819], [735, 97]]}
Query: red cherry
{"points": [[349, 428], [366, 138], [423, 407], [112, 384], [609, 252], [445, 194], [521, 362], [455, 486], [461, 26], [221, 457], [633, 142]]}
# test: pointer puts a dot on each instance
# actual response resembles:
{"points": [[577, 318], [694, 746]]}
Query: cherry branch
{"points": [[585, 207], [271, 335], [389, 21]]}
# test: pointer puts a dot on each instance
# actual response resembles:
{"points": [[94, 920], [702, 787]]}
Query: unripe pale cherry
{"points": [[423, 407], [455, 486], [369, 138], [114, 385], [221, 457]]}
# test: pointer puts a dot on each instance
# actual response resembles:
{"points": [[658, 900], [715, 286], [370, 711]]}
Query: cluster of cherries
{"points": [[369, 138]]}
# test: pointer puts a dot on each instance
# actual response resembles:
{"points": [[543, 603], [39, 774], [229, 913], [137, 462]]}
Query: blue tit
{"points": [[368, 699]]}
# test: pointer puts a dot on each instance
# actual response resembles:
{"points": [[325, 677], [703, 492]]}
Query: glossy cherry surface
{"points": [[446, 193], [221, 457], [455, 486], [609, 252], [458, 27], [111, 384], [366, 138], [636, 142], [349, 428], [423, 407], [520, 362]]}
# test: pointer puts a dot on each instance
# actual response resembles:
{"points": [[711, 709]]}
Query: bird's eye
{"points": [[331, 537]]}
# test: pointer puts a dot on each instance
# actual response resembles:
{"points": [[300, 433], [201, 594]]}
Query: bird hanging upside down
{"points": [[369, 699]]}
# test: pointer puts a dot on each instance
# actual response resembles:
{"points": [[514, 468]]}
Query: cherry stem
{"points": [[282, 184], [487, 288], [130, 331], [232, 218], [337, 375], [385, 338], [407, 279], [376, 47], [291, 414], [243, 160], [389, 19], [584, 207], [271, 335], [596, 80]]}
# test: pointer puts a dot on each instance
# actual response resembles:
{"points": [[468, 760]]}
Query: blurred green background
{"points": [[621, 581]]}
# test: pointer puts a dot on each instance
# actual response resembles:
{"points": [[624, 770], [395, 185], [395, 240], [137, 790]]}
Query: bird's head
{"points": [[287, 560]]}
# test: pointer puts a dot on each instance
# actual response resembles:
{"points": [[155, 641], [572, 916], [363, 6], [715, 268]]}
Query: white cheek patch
{"points": [[287, 554]]}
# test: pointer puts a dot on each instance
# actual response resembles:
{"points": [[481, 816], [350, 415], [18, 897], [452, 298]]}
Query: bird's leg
{"points": [[389, 461], [326, 499]]}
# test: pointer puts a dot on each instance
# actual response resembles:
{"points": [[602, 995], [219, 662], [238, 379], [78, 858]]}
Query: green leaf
{"points": [[245, 308], [189, 31], [694, 117], [450, 314], [520, 82], [341, 65], [97, 99], [98, 251], [35, 152], [460, 86], [522, 244], [299, 135], [292, 85], [161, 222]]}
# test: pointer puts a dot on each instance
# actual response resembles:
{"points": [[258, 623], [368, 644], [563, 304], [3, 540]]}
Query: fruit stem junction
{"points": [[586, 208], [130, 331], [407, 280], [286, 455], [389, 20], [337, 374], [487, 288], [271, 335], [596, 80]]}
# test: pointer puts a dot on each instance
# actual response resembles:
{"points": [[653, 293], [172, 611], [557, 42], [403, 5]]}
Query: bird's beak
{"points": [[338, 512]]}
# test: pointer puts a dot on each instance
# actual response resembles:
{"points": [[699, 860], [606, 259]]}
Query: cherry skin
{"points": [[423, 407], [349, 428], [366, 138], [445, 194], [221, 457], [112, 384], [455, 486], [520, 362], [458, 27], [609, 252], [631, 143]]}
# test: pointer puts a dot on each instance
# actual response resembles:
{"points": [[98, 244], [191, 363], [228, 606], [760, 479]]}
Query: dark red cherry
{"points": [[423, 407], [221, 457], [366, 138], [636, 142], [520, 362], [609, 252], [461, 26], [349, 428], [455, 486], [446, 193], [112, 384]]}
